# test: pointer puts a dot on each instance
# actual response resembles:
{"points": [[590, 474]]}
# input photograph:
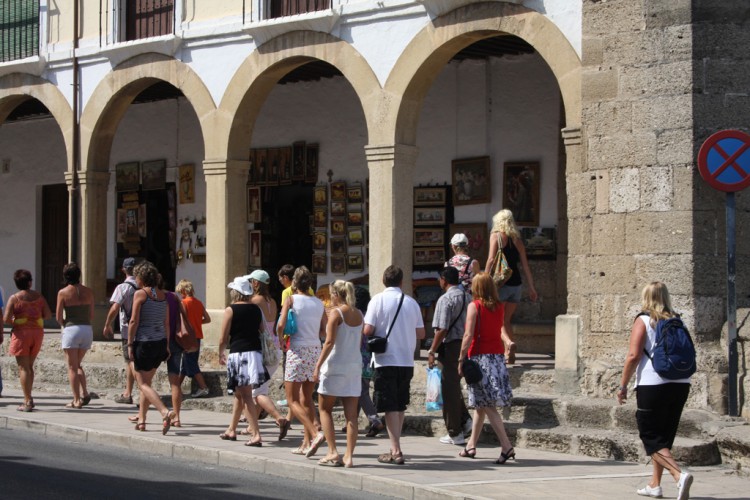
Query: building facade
{"points": [[201, 134]]}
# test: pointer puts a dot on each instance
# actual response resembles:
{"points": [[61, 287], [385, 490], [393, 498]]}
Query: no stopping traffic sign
{"points": [[724, 161]]}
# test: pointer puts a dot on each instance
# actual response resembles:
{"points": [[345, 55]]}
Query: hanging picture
{"points": [[354, 193], [274, 166], [298, 161], [471, 181], [355, 237], [355, 262], [521, 192], [122, 224], [338, 208], [253, 175], [479, 245], [320, 238], [338, 264], [354, 218], [319, 263], [285, 174], [429, 237], [338, 191], [127, 176], [254, 248], [261, 170], [154, 174], [429, 256], [254, 205], [338, 245], [320, 194], [142, 220], [429, 216], [311, 163], [320, 217], [338, 227], [425, 196], [540, 242], [187, 184]]}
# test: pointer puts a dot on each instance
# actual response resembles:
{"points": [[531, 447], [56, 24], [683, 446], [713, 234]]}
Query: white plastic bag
{"points": [[434, 394]]}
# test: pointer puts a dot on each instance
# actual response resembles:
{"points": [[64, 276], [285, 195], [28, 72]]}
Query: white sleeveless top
{"points": [[345, 358], [645, 373]]}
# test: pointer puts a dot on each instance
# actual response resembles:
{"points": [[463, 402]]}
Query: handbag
{"points": [[501, 271], [290, 327], [470, 368], [270, 353], [186, 338], [378, 345]]}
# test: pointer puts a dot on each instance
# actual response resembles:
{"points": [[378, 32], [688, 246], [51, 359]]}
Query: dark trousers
{"points": [[455, 413]]}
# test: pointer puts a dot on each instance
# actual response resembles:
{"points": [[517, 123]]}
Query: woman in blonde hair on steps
{"points": [[339, 370], [505, 235]]}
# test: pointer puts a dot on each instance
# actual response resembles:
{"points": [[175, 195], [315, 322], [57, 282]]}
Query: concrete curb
{"points": [[263, 465]]}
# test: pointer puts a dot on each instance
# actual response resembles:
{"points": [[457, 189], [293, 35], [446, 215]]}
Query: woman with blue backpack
{"points": [[662, 356]]}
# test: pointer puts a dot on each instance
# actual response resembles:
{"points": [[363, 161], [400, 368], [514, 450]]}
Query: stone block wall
{"points": [[659, 76]]}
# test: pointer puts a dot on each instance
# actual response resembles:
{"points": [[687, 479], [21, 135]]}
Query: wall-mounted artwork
{"points": [[521, 192], [285, 174], [429, 216], [427, 256], [355, 237], [338, 245], [320, 195], [354, 218], [274, 166], [187, 184], [261, 166], [311, 163], [338, 227], [320, 240], [355, 262], [298, 161], [428, 237], [479, 245], [319, 263], [471, 181], [254, 248], [338, 264], [127, 176], [338, 208], [354, 193], [338, 191], [320, 217], [540, 242], [254, 205], [426, 196], [154, 174]]}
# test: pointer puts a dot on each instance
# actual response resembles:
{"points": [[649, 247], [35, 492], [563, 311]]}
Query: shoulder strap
{"points": [[463, 304], [390, 328]]}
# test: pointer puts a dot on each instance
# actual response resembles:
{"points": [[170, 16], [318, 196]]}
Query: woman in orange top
{"points": [[26, 312], [483, 344]]}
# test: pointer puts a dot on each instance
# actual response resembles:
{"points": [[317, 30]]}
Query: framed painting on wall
{"points": [[355, 237], [261, 170], [338, 191], [154, 174], [354, 193], [354, 218], [338, 264], [285, 172], [274, 163], [540, 242], [429, 216], [355, 262], [426, 196], [338, 245], [428, 256], [127, 176], [320, 195], [298, 161], [478, 243], [187, 184], [311, 163], [428, 237], [254, 248], [320, 240], [319, 263], [521, 191], [338, 208], [338, 227], [471, 181], [254, 205], [320, 217]]}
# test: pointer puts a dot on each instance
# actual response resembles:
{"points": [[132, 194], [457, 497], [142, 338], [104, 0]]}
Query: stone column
{"points": [[70, 181], [226, 233], [391, 211]]}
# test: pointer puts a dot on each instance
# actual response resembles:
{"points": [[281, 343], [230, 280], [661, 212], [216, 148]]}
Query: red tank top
{"points": [[488, 331]]}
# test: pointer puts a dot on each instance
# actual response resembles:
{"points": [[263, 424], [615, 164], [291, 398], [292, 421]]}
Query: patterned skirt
{"points": [[494, 389], [246, 369]]}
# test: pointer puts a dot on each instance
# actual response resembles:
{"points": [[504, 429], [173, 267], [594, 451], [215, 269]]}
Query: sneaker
{"points": [[467, 427], [122, 399], [200, 393], [281, 402], [683, 486], [457, 439], [648, 491]]}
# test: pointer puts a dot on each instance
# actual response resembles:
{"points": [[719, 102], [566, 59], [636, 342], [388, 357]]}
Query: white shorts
{"points": [[77, 337], [263, 389]]}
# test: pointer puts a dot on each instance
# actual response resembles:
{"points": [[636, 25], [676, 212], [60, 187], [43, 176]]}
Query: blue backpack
{"points": [[673, 355]]}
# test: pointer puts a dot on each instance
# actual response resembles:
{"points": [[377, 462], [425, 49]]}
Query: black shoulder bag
{"points": [[377, 345], [470, 368]]}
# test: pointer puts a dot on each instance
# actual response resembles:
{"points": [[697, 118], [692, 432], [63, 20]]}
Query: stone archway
{"points": [[227, 154], [99, 121]]}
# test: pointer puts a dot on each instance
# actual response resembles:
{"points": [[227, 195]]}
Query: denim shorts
{"points": [[175, 358], [190, 366], [510, 294]]}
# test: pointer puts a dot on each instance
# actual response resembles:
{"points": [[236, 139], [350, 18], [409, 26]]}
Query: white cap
{"points": [[459, 240], [241, 285]]}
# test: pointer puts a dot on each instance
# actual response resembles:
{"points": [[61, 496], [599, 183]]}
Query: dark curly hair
{"points": [[22, 278], [147, 273]]}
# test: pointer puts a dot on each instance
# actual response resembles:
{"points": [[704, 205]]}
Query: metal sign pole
{"points": [[731, 307]]}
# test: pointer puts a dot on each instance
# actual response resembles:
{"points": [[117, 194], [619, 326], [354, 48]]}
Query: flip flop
{"points": [[25, 408], [140, 426], [228, 437], [167, 423], [330, 462], [315, 445], [133, 418], [300, 450], [284, 426], [73, 405], [86, 400], [256, 444], [176, 423]]}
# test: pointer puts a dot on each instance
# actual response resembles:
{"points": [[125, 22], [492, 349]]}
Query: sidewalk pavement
{"points": [[432, 470]]}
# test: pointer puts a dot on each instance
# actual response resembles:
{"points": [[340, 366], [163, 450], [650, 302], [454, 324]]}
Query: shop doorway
{"points": [[54, 241]]}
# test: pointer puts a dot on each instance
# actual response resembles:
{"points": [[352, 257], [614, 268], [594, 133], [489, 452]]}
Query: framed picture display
{"points": [[254, 248], [429, 216], [354, 193], [320, 195], [311, 163], [430, 196], [338, 264], [540, 242], [285, 172], [187, 184], [298, 161], [127, 176], [429, 256], [338, 227], [429, 236], [354, 218], [319, 263], [355, 236], [355, 262], [479, 246], [320, 240], [320, 217], [254, 205], [521, 192], [338, 208], [154, 174], [338, 191], [274, 166], [261, 171], [338, 245], [471, 181]]}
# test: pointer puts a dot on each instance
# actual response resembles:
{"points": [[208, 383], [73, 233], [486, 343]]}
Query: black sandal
{"points": [[468, 453], [504, 457]]}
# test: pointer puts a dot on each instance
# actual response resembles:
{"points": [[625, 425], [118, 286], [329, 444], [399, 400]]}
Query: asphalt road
{"points": [[39, 467]]}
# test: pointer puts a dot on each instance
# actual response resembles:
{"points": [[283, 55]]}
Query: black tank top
{"points": [[512, 256], [244, 332]]}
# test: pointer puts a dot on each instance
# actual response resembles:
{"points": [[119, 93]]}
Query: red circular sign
{"points": [[724, 161]]}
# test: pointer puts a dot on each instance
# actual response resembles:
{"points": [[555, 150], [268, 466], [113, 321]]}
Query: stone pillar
{"points": [[567, 330], [70, 181], [226, 233], [391, 211]]}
